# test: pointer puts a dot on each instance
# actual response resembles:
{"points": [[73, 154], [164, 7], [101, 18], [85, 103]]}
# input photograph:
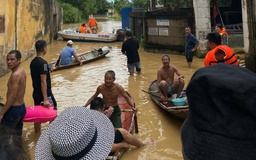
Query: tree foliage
{"points": [[85, 8], [103, 6], [77, 10], [70, 14], [140, 4], [119, 4]]}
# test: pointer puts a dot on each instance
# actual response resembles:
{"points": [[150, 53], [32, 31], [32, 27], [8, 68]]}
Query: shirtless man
{"points": [[110, 92], [165, 80], [14, 110]]}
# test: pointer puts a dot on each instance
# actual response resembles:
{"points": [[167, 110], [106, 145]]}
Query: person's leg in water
{"points": [[123, 139], [37, 101], [132, 140], [189, 58], [138, 67], [131, 68]]}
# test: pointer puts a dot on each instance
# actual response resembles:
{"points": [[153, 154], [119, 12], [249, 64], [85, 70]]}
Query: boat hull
{"points": [[128, 123], [86, 57], [82, 37], [177, 111]]}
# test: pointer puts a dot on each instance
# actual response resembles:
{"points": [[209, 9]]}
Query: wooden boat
{"points": [[129, 122], [85, 58], [178, 111], [70, 34]]}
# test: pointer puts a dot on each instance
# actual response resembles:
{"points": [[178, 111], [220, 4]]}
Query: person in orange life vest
{"points": [[93, 24], [224, 35], [218, 53], [85, 29]]}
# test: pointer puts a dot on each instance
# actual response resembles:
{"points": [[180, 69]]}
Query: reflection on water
{"points": [[76, 85]]}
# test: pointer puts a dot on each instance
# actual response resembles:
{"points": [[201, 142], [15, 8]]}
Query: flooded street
{"points": [[74, 86]]}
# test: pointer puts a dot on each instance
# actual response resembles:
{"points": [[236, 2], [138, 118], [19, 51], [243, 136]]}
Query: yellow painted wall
{"points": [[26, 21], [6, 39]]}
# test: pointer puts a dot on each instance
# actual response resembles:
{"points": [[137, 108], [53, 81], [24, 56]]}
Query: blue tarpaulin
{"points": [[125, 17]]}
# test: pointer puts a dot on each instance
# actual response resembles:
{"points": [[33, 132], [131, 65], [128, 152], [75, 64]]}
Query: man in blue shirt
{"points": [[191, 46], [67, 53]]}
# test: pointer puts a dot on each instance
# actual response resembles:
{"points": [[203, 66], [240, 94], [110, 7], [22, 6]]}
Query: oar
{"points": [[150, 92], [135, 121], [178, 107], [127, 110]]}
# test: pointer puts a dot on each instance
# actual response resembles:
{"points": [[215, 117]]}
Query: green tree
{"points": [[103, 6], [119, 4], [140, 4], [70, 13], [86, 7]]}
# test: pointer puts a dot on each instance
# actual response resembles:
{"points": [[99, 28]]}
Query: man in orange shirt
{"points": [[85, 29], [93, 25]]}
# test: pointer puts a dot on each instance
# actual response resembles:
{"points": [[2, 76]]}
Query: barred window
{"points": [[2, 24]]}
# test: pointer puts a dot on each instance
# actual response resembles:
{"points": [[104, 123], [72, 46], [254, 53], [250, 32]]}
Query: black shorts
{"points": [[118, 139], [190, 56], [38, 99]]}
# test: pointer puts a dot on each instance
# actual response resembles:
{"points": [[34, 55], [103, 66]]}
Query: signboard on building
{"points": [[163, 31], [152, 30], [162, 22]]}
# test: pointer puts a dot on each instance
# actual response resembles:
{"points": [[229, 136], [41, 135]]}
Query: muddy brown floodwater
{"points": [[76, 85]]}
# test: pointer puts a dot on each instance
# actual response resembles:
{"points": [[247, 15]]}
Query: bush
{"points": [[70, 13]]}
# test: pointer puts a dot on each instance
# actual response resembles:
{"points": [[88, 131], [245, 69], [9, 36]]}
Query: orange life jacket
{"points": [[223, 31], [82, 29], [92, 22], [229, 58]]}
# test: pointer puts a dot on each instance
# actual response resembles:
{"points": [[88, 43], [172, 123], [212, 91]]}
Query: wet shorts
{"points": [[135, 65], [171, 89], [118, 137], [116, 117], [38, 99], [189, 56], [13, 118]]}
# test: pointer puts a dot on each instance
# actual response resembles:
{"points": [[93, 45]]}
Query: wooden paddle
{"points": [[136, 121], [127, 110], [150, 92]]}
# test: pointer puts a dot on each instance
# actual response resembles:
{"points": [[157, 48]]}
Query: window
{"points": [[2, 24]]}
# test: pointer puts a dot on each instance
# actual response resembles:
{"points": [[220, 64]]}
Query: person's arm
{"points": [[58, 62], [93, 96], [44, 89], [178, 73], [197, 44], [124, 94], [118, 146], [12, 93], [195, 47], [224, 39], [78, 59], [159, 78], [123, 49]]}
